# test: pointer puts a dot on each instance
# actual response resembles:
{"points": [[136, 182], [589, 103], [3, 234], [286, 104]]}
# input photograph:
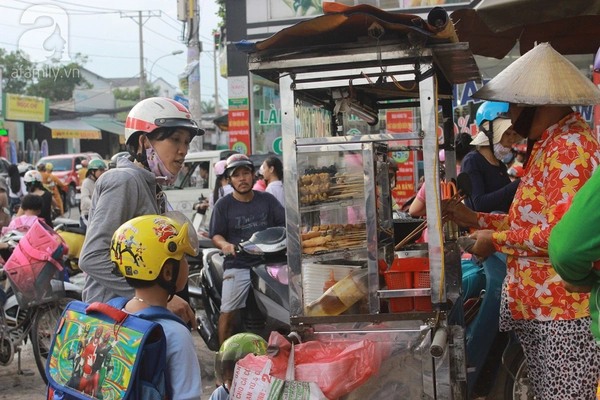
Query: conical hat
{"points": [[541, 77]]}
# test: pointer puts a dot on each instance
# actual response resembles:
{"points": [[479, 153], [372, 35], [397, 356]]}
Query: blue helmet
{"points": [[490, 110]]}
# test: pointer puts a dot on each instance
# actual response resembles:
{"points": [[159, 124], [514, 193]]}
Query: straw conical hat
{"points": [[541, 77]]}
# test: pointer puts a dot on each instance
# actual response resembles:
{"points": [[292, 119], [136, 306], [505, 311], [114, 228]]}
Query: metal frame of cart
{"points": [[427, 349]]}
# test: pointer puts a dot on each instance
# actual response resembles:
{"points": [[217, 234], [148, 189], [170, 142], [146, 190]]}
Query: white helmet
{"points": [[159, 112], [32, 176]]}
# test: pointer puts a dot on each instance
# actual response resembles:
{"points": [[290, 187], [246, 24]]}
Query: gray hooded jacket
{"points": [[121, 194]]}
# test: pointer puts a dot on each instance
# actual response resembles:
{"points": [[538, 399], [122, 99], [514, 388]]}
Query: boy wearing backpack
{"points": [[156, 270]]}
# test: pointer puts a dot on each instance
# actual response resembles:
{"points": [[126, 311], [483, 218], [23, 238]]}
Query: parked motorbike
{"points": [[74, 237], [36, 323], [267, 306]]}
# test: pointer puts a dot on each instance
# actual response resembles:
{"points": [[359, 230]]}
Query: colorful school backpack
{"points": [[34, 269], [102, 352]]}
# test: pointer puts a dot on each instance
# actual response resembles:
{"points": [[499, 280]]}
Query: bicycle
{"points": [[36, 323]]}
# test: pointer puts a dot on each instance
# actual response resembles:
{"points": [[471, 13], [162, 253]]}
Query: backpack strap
{"points": [[150, 313], [37, 254]]}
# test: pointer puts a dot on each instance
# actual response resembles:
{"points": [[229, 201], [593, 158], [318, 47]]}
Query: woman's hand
{"points": [[454, 210], [182, 309], [484, 246]]}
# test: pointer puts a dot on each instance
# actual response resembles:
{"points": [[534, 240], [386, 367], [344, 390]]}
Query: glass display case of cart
{"points": [[345, 226]]}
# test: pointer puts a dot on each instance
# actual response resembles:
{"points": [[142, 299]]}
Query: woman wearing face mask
{"points": [[492, 187], [158, 132]]}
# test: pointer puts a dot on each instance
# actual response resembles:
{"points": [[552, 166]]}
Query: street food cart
{"points": [[338, 202]]}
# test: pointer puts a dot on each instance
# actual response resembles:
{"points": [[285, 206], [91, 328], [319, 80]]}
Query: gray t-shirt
{"points": [[120, 194], [236, 221]]}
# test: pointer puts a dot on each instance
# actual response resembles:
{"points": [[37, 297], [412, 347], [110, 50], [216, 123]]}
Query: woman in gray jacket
{"points": [[158, 132]]}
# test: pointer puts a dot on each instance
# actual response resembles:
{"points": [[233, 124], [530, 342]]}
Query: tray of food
{"points": [[335, 237], [320, 186]]}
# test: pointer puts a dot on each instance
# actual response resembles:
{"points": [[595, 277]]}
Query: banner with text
{"points": [[239, 114], [401, 121], [26, 108]]}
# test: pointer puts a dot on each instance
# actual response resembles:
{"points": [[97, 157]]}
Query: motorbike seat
{"points": [[74, 230]]}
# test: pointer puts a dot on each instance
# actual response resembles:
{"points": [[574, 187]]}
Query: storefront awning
{"points": [[108, 125], [72, 129], [222, 122]]}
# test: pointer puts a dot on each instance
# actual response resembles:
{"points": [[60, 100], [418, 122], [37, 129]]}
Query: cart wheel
{"points": [[519, 387]]}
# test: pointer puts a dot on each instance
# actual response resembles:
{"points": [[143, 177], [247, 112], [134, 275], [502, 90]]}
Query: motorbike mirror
{"points": [[463, 183]]}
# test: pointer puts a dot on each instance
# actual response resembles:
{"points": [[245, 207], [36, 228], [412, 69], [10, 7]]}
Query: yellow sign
{"points": [[75, 134], [26, 108]]}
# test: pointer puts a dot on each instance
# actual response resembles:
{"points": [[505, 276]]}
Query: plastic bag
{"points": [[252, 384], [336, 367]]}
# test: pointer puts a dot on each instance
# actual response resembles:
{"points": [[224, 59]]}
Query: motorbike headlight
{"points": [[251, 248]]}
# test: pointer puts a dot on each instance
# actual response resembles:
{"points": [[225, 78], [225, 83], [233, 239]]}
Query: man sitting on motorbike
{"points": [[235, 218]]}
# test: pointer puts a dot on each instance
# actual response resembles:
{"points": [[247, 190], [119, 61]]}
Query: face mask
{"points": [[500, 151], [158, 168]]}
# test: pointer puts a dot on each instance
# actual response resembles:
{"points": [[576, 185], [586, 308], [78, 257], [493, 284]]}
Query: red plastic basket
{"points": [[422, 280], [409, 273], [400, 280]]}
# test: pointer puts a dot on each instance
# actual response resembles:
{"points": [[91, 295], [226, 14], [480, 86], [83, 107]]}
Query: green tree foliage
{"points": [[16, 72], [208, 106], [129, 94], [54, 81], [57, 81], [221, 12]]}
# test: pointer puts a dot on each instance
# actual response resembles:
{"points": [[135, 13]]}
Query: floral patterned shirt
{"points": [[561, 161]]}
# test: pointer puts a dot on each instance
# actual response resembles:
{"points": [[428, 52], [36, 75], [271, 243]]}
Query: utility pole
{"points": [[141, 22], [215, 54], [194, 49]]}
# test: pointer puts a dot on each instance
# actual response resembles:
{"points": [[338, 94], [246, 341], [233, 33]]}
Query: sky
{"points": [[111, 41]]}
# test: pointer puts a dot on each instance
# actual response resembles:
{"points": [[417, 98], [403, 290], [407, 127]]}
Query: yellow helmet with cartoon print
{"points": [[140, 247]]}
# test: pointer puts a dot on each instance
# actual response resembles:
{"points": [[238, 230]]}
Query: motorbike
{"points": [[74, 237], [267, 306], [37, 323], [200, 221]]}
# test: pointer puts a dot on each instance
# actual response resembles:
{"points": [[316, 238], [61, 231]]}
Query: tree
{"points": [[56, 81], [221, 12], [17, 72], [208, 106], [129, 94]]}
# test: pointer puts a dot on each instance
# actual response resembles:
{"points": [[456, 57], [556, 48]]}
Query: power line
{"points": [[81, 37], [163, 36], [95, 7], [74, 12], [178, 29]]}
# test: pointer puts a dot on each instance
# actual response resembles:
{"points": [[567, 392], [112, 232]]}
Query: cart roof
{"points": [[356, 31]]}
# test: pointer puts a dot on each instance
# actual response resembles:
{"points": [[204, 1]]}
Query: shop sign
{"points": [[270, 116], [75, 134], [239, 114], [26, 108], [277, 146], [401, 121], [239, 130]]}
